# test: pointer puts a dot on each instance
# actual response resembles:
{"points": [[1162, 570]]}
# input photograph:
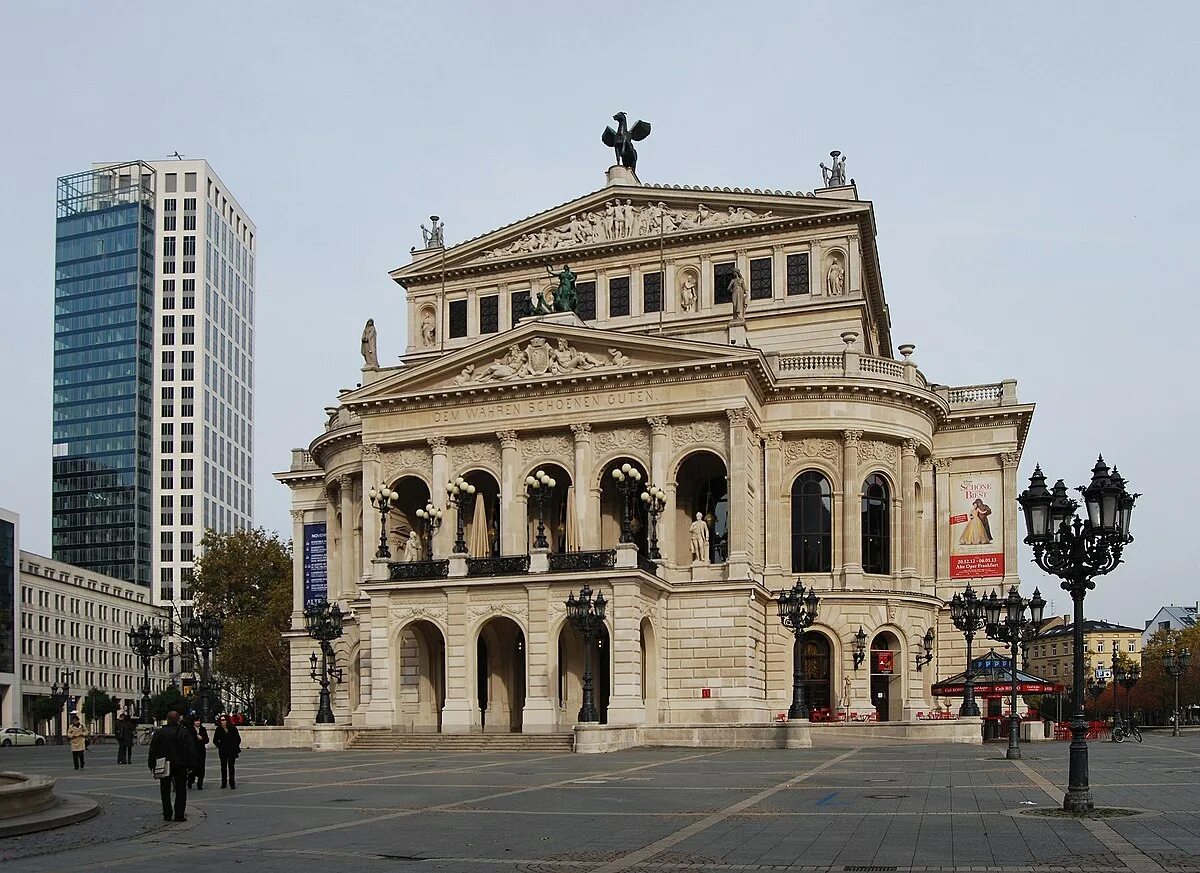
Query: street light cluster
{"points": [[146, 641], [1006, 621], [539, 487], [586, 615], [431, 520], [461, 495], [627, 478], [382, 498], [655, 500], [323, 621], [1176, 664], [205, 632], [797, 611]]}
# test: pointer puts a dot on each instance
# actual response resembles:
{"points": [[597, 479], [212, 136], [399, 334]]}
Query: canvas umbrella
{"points": [[478, 546], [572, 523]]}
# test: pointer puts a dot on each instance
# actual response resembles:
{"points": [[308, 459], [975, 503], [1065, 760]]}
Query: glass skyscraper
{"points": [[104, 371]]}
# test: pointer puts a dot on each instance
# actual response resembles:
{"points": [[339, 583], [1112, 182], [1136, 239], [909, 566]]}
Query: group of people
{"points": [[178, 751]]}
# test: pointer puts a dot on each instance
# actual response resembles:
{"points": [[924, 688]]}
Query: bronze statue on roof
{"points": [[622, 139]]}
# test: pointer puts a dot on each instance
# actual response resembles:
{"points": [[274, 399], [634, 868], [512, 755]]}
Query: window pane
{"points": [[618, 296], [760, 279], [722, 276], [489, 314], [797, 274], [812, 524], [586, 307], [458, 318], [652, 292]]}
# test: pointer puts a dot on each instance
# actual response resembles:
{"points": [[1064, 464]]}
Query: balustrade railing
{"points": [[501, 565], [409, 571], [572, 562], [971, 394]]}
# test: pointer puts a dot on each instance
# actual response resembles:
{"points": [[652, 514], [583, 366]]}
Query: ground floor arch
{"points": [[500, 675], [887, 676], [569, 676], [421, 677], [650, 675], [817, 670]]}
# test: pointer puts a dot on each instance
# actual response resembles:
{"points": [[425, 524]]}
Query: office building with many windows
{"points": [[154, 370], [10, 683]]}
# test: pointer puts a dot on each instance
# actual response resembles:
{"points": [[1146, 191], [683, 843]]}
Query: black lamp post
{"points": [[1096, 688], [860, 647], [1126, 677], [461, 495], [147, 643], [205, 633], [587, 617], [539, 487], [925, 653], [656, 501], [628, 478], [60, 695], [966, 611], [1176, 665], [797, 611], [323, 621], [1077, 552], [383, 499], [431, 520], [1008, 623]]}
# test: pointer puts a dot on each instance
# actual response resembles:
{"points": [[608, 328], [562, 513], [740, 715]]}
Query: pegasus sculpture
{"points": [[622, 139]]}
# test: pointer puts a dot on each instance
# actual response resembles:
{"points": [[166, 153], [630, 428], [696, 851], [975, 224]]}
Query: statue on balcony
{"points": [[412, 548], [699, 536]]}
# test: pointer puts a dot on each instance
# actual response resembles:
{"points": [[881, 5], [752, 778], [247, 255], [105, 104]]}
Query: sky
{"points": [[1033, 168]]}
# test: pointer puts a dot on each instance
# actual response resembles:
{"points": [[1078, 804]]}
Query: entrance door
{"points": [[880, 697]]}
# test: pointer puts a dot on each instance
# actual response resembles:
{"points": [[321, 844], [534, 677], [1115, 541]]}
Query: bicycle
{"points": [[145, 733], [1121, 732]]}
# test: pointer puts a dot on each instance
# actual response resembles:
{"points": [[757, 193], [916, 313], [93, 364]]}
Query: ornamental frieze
{"points": [[406, 459], [479, 610], [539, 358], [875, 450], [622, 438], [811, 448], [476, 452], [692, 432], [620, 221], [548, 445], [403, 613]]}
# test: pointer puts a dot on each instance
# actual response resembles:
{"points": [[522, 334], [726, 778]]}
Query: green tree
{"points": [[97, 704], [245, 577], [43, 710], [170, 698]]}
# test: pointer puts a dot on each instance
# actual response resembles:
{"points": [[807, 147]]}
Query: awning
{"points": [[993, 677]]}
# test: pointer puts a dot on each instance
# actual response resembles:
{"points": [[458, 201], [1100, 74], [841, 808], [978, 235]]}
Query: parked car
{"points": [[15, 736]]}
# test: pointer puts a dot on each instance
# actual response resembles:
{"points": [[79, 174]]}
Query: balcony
{"points": [[512, 565]]}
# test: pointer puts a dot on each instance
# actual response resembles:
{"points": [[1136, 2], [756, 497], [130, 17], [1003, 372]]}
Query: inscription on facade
{"points": [[540, 405]]}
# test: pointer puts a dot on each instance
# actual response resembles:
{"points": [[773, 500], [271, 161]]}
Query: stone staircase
{"points": [[403, 741]]}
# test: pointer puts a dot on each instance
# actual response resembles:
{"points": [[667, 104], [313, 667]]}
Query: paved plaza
{"points": [[899, 807]]}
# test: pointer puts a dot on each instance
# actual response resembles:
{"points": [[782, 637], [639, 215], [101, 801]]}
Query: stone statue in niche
{"points": [[428, 328], [412, 548], [699, 535], [368, 346], [687, 292], [738, 294], [835, 277]]}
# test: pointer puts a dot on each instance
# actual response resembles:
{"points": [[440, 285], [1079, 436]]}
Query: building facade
{"points": [[10, 665], [1171, 618], [75, 624], [154, 370], [733, 348], [1051, 652]]}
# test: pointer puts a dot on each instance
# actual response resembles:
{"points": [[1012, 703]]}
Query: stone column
{"points": [[739, 492], [298, 569], [601, 295], [372, 474], [512, 521], [908, 509], [778, 273], [346, 581], [333, 557], [851, 510], [705, 291], [540, 715], [773, 501], [1008, 464], [460, 714], [854, 269], [626, 705], [941, 569], [581, 476], [815, 286], [381, 711], [659, 457], [636, 299], [670, 294], [444, 538]]}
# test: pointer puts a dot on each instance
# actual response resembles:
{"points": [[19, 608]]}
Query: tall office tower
{"points": [[184, 291]]}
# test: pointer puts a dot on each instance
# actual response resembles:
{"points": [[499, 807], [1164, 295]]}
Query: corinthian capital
{"points": [[508, 438], [345, 484], [773, 438], [581, 430], [739, 416], [437, 443], [1010, 459], [297, 515], [370, 452], [658, 424], [942, 463], [851, 437], [908, 448]]}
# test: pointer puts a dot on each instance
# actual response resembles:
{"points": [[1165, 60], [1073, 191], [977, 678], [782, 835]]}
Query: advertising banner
{"points": [[316, 579], [976, 525], [883, 662]]}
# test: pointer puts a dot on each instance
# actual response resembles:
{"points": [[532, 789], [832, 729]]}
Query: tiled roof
{"points": [[1091, 625]]}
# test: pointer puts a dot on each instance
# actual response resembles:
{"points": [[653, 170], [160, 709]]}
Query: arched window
{"points": [[812, 524], [876, 538]]}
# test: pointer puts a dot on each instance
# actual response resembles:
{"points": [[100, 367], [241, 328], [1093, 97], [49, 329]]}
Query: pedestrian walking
{"points": [[173, 742], [125, 736], [229, 745], [200, 736], [77, 734]]}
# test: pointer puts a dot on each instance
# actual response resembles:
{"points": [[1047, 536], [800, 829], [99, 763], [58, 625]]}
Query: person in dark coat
{"points": [[229, 745], [125, 736], [200, 735], [174, 742]]}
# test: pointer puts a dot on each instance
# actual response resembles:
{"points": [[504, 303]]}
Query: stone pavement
{"points": [[902, 808]]}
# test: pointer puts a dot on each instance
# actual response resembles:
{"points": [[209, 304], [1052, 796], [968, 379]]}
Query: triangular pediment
{"points": [[542, 350], [625, 216]]}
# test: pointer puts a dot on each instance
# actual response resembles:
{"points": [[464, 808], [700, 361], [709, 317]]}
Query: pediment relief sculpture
{"points": [[539, 358], [619, 221]]}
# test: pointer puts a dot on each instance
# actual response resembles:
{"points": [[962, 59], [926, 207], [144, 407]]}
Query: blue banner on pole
{"points": [[316, 577]]}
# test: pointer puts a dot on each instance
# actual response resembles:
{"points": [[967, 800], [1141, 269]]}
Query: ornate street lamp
{"points": [[539, 487], [1126, 677], [860, 647], [1078, 551], [147, 643], [966, 611], [431, 520], [587, 617], [383, 499], [205, 633], [1008, 623], [925, 653], [1176, 665], [60, 695], [627, 478], [323, 621], [656, 501], [797, 611], [461, 495], [1095, 688]]}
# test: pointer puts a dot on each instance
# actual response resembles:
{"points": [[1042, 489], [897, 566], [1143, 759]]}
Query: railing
{"points": [[574, 562], [645, 564], [969, 395], [501, 565], [816, 363], [850, 364], [881, 366], [410, 571]]}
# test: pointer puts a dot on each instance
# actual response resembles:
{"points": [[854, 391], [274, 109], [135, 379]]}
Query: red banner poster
{"points": [[976, 525]]}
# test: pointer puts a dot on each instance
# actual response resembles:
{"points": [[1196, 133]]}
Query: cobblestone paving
{"points": [[900, 808]]}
